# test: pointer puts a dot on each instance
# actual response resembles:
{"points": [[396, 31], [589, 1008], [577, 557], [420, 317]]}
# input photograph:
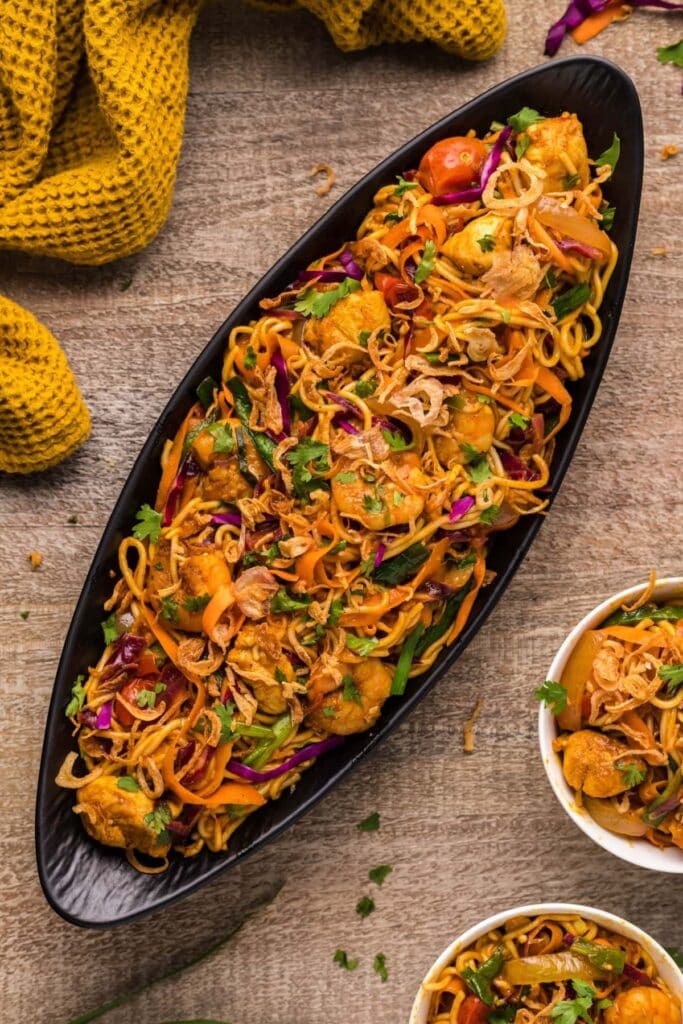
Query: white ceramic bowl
{"points": [[666, 968], [636, 851]]}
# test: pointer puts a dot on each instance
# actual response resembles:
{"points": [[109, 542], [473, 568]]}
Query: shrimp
{"points": [[357, 705], [592, 763], [201, 574], [381, 505], [643, 1005], [119, 817], [471, 427]]}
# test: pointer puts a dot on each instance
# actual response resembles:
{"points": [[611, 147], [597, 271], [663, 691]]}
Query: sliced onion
{"points": [[568, 223], [226, 519], [348, 427], [103, 720], [127, 650], [282, 388], [578, 10], [305, 754], [490, 164], [605, 814], [343, 402], [379, 557], [569, 245], [437, 589], [350, 266], [640, 977], [460, 507], [516, 469]]}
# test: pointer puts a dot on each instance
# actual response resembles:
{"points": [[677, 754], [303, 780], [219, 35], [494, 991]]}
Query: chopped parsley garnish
{"points": [[672, 54], [378, 875], [489, 515], [315, 303], [486, 243], [346, 478], [672, 676], [426, 264], [308, 458], [403, 185], [553, 695], [524, 118], [24, 615], [350, 690], [157, 821], [77, 698], [73, 519], [364, 388], [373, 504], [379, 965], [249, 358], [479, 470], [521, 146], [398, 498], [169, 609], [128, 783], [196, 604], [223, 440], [148, 524], [365, 906], [393, 218], [518, 420], [329, 713], [363, 338], [572, 299], [148, 698], [611, 155], [369, 824], [570, 1011], [285, 602], [633, 775], [363, 645], [110, 629], [341, 958]]}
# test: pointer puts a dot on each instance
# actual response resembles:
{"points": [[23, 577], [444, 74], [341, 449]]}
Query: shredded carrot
{"points": [[306, 563], [646, 740], [370, 613], [596, 23], [539, 234], [630, 634], [478, 574], [433, 563], [220, 602], [161, 635], [173, 461], [228, 793], [433, 217], [397, 234], [495, 395]]}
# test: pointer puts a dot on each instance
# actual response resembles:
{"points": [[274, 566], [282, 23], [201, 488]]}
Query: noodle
{"points": [[325, 511]]}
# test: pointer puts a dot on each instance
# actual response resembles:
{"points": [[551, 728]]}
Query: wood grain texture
{"points": [[467, 836]]}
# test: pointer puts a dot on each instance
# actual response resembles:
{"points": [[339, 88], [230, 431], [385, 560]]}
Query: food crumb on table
{"points": [[325, 187], [35, 558], [468, 731], [668, 151], [659, 251]]}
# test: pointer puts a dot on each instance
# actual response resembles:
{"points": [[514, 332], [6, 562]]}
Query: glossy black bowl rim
{"points": [[168, 421]]}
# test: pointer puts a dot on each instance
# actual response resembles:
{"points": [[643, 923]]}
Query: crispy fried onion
{"points": [[481, 343], [423, 399], [369, 444], [513, 202], [190, 659], [149, 778], [254, 589], [272, 416], [67, 779], [513, 275], [295, 546]]}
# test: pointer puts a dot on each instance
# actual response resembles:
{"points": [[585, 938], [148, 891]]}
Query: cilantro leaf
{"points": [[224, 713], [341, 958], [346, 478], [110, 629], [397, 441], [633, 775], [306, 459], [284, 602], [672, 676], [363, 645], [518, 420], [486, 243], [365, 388], [312, 302], [378, 875], [336, 609], [479, 470], [569, 1011], [553, 695], [350, 690], [196, 604], [489, 515], [128, 783], [379, 965], [373, 504], [369, 824], [426, 264], [77, 698], [522, 144], [249, 358], [524, 118], [403, 185], [169, 609], [365, 906], [148, 698], [611, 155], [672, 54], [157, 820], [148, 525]]}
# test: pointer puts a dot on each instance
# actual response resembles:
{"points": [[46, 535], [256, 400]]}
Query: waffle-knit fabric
{"points": [[92, 102]]}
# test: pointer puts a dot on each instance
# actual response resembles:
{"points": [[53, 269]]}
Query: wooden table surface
{"points": [[467, 836]]}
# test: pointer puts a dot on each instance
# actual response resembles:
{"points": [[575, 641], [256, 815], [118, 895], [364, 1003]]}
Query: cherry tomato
{"points": [[129, 691], [395, 290], [451, 164], [473, 1011]]}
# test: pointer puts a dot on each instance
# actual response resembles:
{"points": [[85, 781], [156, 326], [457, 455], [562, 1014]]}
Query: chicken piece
{"points": [[380, 505], [470, 427], [202, 573], [116, 817], [643, 1005], [360, 311], [223, 480], [554, 141], [590, 763], [257, 654], [368, 685], [473, 248]]}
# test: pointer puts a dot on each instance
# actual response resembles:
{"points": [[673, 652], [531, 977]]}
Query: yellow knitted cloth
{"points": [[92, 101]]}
